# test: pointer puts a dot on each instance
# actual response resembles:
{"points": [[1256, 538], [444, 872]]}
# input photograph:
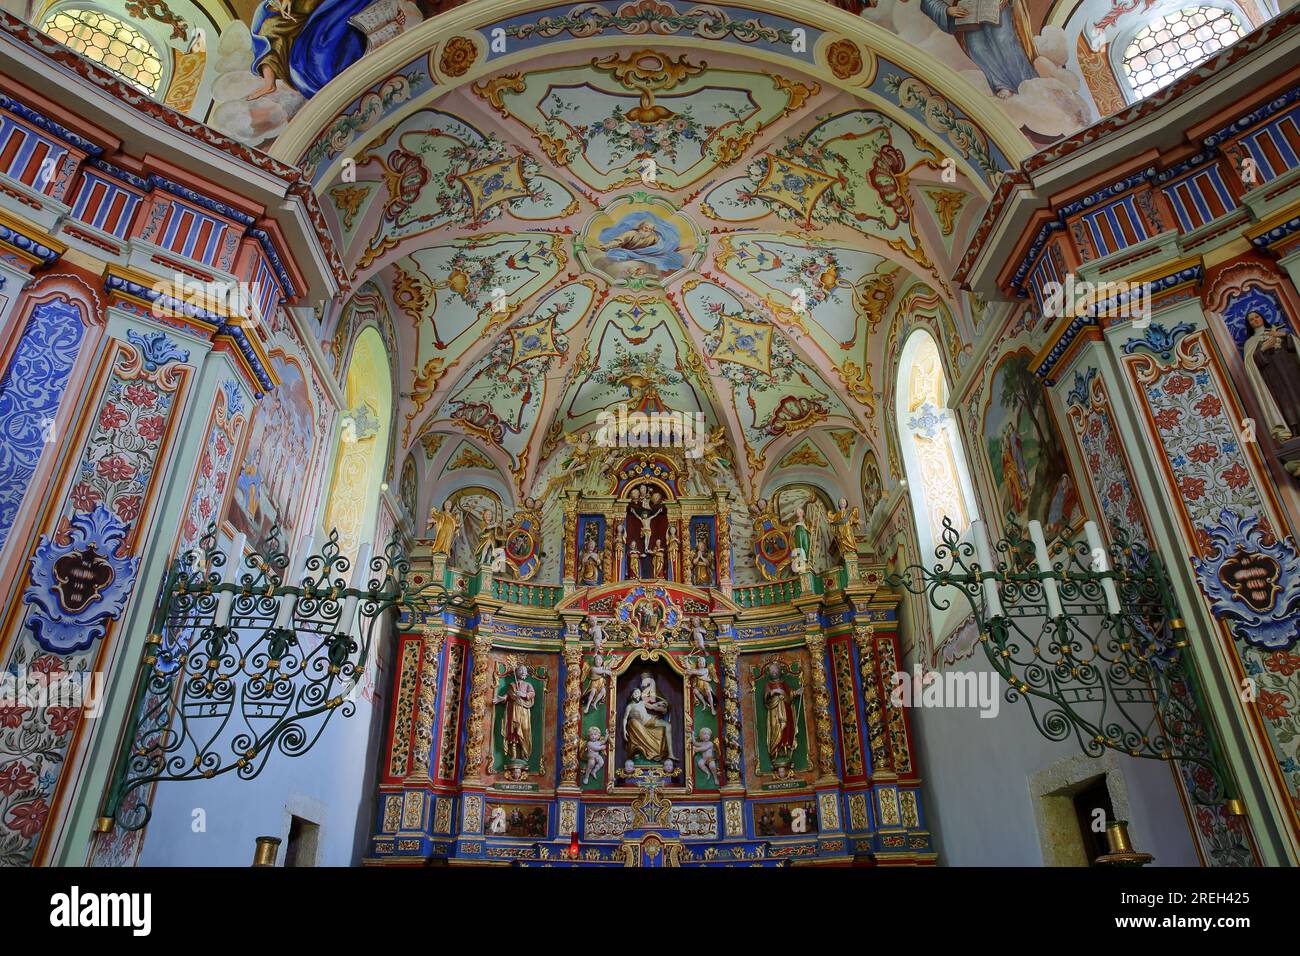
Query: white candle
{"points": [[1102, 564], [992, 603], [225, 599], [1044, 561], [289, 601], [360, 581]]}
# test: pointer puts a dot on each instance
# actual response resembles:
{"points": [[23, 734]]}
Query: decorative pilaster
{"points": [[572, 715], [874, 695], [478, 708], [426, 703], [816, 642], [731, 710]]}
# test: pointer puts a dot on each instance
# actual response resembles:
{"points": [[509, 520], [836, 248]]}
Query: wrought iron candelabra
{"points": [[249, 654], [1089, 638]]}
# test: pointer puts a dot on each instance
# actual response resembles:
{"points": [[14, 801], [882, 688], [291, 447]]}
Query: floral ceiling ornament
{"points": [[458, 56]]}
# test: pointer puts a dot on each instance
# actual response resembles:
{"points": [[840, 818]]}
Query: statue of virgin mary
{"points": [[1272, 361]]}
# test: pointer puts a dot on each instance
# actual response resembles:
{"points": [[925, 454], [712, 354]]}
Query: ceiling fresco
{"points": [[539, 275]]}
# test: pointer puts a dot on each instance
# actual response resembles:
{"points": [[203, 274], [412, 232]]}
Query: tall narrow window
{"points": [[110, 42], [937, 476], [1169, 46], [363, 443]]}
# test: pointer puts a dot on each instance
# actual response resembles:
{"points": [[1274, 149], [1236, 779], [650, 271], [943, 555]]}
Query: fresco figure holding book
{"points": [[995, 34]]}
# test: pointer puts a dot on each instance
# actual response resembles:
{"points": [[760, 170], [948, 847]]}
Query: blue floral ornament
{"points": [[1254, 587], [78, 587]]}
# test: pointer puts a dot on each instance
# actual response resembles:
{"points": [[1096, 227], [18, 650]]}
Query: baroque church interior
{"points": [[649, 433]]}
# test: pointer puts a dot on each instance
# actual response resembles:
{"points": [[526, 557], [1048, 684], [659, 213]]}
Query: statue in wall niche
{"points": [[781, 706], [517, 727], [591, 561], [1273, 369], [443, 522], [845, 521], [647, 732], [702, 562]]}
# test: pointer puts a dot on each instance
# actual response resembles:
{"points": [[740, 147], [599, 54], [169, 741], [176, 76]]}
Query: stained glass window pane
{"points": [[109, 42], [1169, 46]]}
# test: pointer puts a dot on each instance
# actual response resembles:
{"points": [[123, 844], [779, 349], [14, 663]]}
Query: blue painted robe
{"points": [[312, 45], [997, 50]]}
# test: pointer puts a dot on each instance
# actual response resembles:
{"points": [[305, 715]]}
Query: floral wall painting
{"points": [[270, 482], [1026, 457]]}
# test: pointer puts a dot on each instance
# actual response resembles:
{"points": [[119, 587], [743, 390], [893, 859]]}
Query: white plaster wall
{"points": [[333, 785], [976, 774]]}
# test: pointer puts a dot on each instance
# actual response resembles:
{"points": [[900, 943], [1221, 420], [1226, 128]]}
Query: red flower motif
{"points": [[1094, 428], [1273, 704], [1283, 663], [1236, 476], [205, 507], [128, 507], [84, 497], [220, 447], [29, 818], [1094, 462], [1193, 489], [14, 776], [115, 468], [47, 664], [1168, 418], [63, 719], [1203, 778], [1115, 492], [1203, 452], [12, 716], [1178, 384], [111, 417], [1131, 512], [141, 395], [1112, 444], [150, 427], [1209, 406]]}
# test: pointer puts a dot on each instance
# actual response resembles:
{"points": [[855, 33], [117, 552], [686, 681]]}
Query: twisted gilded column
{"points": [[572, 715], [426, 702], [478, 709], [731, 711], [873, 693], [816, 642]]}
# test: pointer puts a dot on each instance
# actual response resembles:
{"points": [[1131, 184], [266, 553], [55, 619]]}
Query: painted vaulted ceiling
{"points": [[539, 272], [727, 211]]}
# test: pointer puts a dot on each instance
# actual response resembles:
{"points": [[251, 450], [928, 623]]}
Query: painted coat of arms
{"points": [[79, 582], [1252, 580]]}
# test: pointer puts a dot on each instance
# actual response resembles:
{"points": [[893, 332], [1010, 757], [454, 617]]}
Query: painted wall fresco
{"points": [[63, 631], [270, 482], [1025, 455]]}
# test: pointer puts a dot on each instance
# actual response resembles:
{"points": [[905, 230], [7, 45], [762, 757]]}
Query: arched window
{"points": [[1168, 46], [110, 42], [937, 477], [363, 444]]}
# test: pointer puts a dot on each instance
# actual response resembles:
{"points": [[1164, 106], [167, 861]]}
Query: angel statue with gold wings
{"points": [[586, 461], [706, 465]]}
